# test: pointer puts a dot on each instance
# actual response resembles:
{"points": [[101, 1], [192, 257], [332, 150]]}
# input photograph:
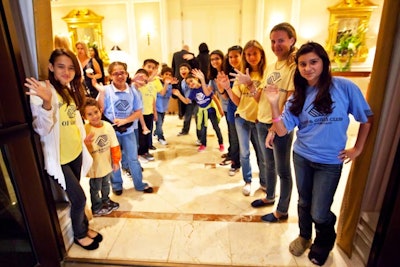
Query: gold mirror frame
{"points": [[348, 24], [85, 25]]}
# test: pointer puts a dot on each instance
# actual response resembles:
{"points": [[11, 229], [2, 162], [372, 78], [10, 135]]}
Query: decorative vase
{"points": [[343, 62]]}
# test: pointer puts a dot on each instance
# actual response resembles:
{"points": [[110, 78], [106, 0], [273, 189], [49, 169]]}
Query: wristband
{"points": [[276, 119]]}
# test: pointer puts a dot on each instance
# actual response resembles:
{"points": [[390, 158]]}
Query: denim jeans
{"points": [[159, 123], [76, 196], [212, 116], [130, 158], [99, 191], [191, 109], [233, 151], [124, 164], [316, 184], [247, 132], [277, 160]]}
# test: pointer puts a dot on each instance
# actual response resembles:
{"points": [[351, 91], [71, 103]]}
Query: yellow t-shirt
{"points": [[149, 95], [283, 77], [103, 140], [248, 107], [70, 138]]}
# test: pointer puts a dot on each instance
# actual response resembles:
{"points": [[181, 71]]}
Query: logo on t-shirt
{"points": [[102, 140], [274, 78], [71, 111], [320, 117], [122, 105]]}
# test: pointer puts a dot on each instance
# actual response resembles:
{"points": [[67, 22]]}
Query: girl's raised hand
{"points": [[240, 77], [198, 74], [223, 80], [37, 89], [272, 93]]}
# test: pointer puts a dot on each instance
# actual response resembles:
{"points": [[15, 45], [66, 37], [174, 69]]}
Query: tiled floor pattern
{"points": [[198, 215]]}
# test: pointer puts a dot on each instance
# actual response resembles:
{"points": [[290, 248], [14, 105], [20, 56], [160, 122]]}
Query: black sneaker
{"points": [[152, 148], [117, 192], [148, 156], [148, 190], [105, 210], [182, 133], [111, 204]]}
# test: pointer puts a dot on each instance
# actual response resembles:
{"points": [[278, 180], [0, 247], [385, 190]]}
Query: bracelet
{"points": [[276, 119]]}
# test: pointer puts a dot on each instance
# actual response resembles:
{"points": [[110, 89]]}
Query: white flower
{"points": [[89, 71], [351, 47]]}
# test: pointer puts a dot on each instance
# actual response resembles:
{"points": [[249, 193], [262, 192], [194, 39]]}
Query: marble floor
{"points": [[197, 215]]}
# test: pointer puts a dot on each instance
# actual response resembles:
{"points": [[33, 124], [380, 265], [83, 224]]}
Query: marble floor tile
{"points": [[198, 214]]}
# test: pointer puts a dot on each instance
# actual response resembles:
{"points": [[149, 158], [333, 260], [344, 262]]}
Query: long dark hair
{"points": [[323, 101], [213, 72], [77, 91], [228, 68]]}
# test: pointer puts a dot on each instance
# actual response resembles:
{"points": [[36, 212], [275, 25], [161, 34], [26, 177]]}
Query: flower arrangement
{"points": [[347, 46]]}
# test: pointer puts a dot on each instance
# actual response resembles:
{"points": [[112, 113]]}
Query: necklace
{"points": [[283, 63]]}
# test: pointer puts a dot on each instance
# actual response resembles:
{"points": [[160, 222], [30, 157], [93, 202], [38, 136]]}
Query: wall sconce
{"points": [[147, 28], [116, 48], [116, 54]]}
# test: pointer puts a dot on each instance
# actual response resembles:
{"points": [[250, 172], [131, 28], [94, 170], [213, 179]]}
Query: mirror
{"points": [[85, 25], [348, 24]]}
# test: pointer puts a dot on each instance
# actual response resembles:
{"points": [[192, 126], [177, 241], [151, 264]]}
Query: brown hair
{"points": [[89, 102], [263, 62]]}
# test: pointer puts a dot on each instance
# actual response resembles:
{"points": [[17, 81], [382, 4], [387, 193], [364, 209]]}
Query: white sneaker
{"points": [[143, 159], [233, 171], [246, 189], [198, 143], [163, 142]]}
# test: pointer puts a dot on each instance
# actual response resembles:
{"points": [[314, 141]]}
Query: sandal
{"points": [[225, 162]]}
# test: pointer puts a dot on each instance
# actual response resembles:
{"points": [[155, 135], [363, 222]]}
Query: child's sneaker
{"points": [[111, 204], [201, 148], [105, 210], [162, 141], [233, 171]]}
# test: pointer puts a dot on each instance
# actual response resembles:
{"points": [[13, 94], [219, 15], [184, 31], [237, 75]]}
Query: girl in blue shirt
{"points": [[319, 108]]}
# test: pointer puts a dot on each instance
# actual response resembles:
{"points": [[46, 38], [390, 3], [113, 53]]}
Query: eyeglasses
{"points": [[118, 73]]}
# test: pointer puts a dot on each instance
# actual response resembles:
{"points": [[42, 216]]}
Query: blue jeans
{"points": [[159, 123], [316, 184], [212, 116], [99, 185], [130, 158], [233, 151], [191, 109], [76, 196], [277, 160], [247, 132]]}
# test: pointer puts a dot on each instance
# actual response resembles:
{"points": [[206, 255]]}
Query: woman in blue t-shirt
{"points": [[319, 108]]}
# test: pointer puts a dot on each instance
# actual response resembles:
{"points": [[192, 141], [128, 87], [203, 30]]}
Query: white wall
{"points": [[219, 23]]}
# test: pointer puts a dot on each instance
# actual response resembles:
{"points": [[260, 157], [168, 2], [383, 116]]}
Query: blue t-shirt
{"points": [[320, 137], [163, 100], [224, 102], [201, 99], [121, 104]]}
